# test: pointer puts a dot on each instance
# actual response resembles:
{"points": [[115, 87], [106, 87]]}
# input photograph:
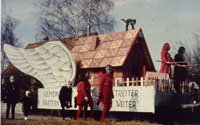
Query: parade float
{"points": [[137, 85]]}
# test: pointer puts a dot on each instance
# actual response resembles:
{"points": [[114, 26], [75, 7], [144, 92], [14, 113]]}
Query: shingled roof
{"points": [[97, 51], [100, 50]]}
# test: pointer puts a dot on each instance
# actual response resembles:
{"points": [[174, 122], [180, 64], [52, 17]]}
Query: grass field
{"points": [[52, 121], [162, 116]]}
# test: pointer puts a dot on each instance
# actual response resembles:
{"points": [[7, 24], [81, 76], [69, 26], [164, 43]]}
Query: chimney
{"points": [[95, 43], [46, 38]]}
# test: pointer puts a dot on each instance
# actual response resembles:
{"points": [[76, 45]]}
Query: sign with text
{"points": [[134, 99], [127, 99], [48, 98]]}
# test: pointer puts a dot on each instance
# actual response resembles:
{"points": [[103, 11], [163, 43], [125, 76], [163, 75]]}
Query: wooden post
{"points": [[147, 81], [127, 81], [166, 85], [141, 79], [143, 71], [180, 87], [123, 82], [133, 81], [160, 84], [183, 86], [192, 88], [170, 85], [163, 84], [151, 81], [116, 82], [188, 87], [136, 81], [155, 84]]}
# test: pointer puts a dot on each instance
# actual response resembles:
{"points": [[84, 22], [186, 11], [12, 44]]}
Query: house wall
{"points": [[135, 62], [96, 73], [133, 66]]}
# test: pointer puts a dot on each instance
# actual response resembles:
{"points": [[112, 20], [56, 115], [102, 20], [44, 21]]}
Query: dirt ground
{"points": [[44, 117], [55, 119]]}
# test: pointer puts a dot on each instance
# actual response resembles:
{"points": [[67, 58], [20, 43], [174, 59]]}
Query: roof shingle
{"points": [[112, 49]]}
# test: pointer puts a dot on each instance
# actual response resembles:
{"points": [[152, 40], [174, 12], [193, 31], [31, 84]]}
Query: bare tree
{"points": [[8, 24], [63, 18], [196, 53], [192, 54], [89, 17], [98, 17]]}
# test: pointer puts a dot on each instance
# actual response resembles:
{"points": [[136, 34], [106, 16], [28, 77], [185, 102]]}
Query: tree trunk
{"points": [[89, 16], [61, 21]]}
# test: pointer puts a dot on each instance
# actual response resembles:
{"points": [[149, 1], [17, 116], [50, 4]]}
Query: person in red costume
{"points": [[106, 92], [166, 59], [84, 96]]}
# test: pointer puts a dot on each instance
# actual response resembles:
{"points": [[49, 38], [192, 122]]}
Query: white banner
{"points": [[48, 98], [126, 99], [134, 99]]}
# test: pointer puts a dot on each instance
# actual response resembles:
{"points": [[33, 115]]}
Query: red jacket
{"points": [[105, 80], [83, 89]]}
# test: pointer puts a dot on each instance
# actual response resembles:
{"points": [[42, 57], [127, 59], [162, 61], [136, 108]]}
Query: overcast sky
{"points": [[161, 20]]}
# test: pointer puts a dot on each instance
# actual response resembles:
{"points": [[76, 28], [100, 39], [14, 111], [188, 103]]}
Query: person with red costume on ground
{"points": [[84, 96], [166, 59], [106, 92]]}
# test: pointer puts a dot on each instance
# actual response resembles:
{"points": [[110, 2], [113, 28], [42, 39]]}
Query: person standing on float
{"points": [[106, 92], [166, 59], [84, 96], [180, 72]]}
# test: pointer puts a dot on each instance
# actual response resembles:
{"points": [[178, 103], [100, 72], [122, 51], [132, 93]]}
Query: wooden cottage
{"points": [[126, 51]]}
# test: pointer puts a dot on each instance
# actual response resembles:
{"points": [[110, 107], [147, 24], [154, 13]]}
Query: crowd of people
{"points": [[12, 97], [84, 98]]}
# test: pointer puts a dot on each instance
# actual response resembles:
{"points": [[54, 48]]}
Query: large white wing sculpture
{"points": [[52, 63]]}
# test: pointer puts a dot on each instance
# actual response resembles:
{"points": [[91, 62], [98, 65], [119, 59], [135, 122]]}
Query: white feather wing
{"points": [[52, 63]]}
